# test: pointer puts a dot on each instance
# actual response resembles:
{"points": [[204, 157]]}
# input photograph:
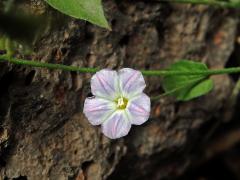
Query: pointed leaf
{"points": [[187, 87], [89, 10]]}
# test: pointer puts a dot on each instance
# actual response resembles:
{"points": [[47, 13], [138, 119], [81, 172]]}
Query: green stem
{"points": [[5, 58], [47, 65], [194, 81], [220, 3], [205, 72]]}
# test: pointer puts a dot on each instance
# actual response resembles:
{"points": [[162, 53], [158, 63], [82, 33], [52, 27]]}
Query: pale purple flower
{"points": [[118, 101]]}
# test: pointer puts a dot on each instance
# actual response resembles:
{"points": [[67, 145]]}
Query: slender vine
{"points": [[220, 3], [5, 58]]}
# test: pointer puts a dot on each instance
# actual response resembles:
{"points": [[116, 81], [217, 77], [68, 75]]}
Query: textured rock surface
{"points": [[46, 136]]}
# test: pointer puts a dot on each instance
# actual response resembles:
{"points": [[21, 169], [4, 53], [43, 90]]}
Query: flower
{"points": [[118, 101]]}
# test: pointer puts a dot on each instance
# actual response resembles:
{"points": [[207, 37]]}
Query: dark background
{"points": [[44, 134]]}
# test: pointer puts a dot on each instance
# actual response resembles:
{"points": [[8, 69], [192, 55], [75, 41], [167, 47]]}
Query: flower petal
{"points": [[116, 126], [139, 109], [97, 110], [105, 84], [131, 82]]}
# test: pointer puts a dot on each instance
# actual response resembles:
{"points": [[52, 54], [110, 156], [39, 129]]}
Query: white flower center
{"points": [[121, 102]]}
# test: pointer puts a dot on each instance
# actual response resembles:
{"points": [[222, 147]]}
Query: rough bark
{"points": [[46, 136]]}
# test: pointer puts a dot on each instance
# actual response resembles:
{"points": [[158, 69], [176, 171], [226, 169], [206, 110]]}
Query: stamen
{"points": [[121, 102]]}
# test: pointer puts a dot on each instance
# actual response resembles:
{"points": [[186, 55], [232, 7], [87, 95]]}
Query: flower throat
{"points": [[121, 102]]}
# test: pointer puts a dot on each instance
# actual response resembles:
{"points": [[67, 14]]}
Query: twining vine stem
{"points": [[5, 58], [220, 3]]}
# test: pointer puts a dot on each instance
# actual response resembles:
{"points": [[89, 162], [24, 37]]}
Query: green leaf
{"points": [[89, 10], [187, 87]]}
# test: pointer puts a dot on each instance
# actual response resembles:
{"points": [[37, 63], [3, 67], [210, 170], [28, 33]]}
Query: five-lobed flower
{"points": [[118, 101]]}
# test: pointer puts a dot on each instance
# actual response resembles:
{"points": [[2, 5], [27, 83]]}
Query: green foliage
{"points": [[89, 10], [19, 30], [11, 46], [187, 87], [20, 25]]}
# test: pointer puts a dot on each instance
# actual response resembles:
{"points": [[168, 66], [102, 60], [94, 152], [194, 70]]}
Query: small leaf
{"points": [[89, 10], [187, 87]]}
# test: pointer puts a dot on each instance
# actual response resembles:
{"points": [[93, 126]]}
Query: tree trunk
{"points": [[44, 133]]}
